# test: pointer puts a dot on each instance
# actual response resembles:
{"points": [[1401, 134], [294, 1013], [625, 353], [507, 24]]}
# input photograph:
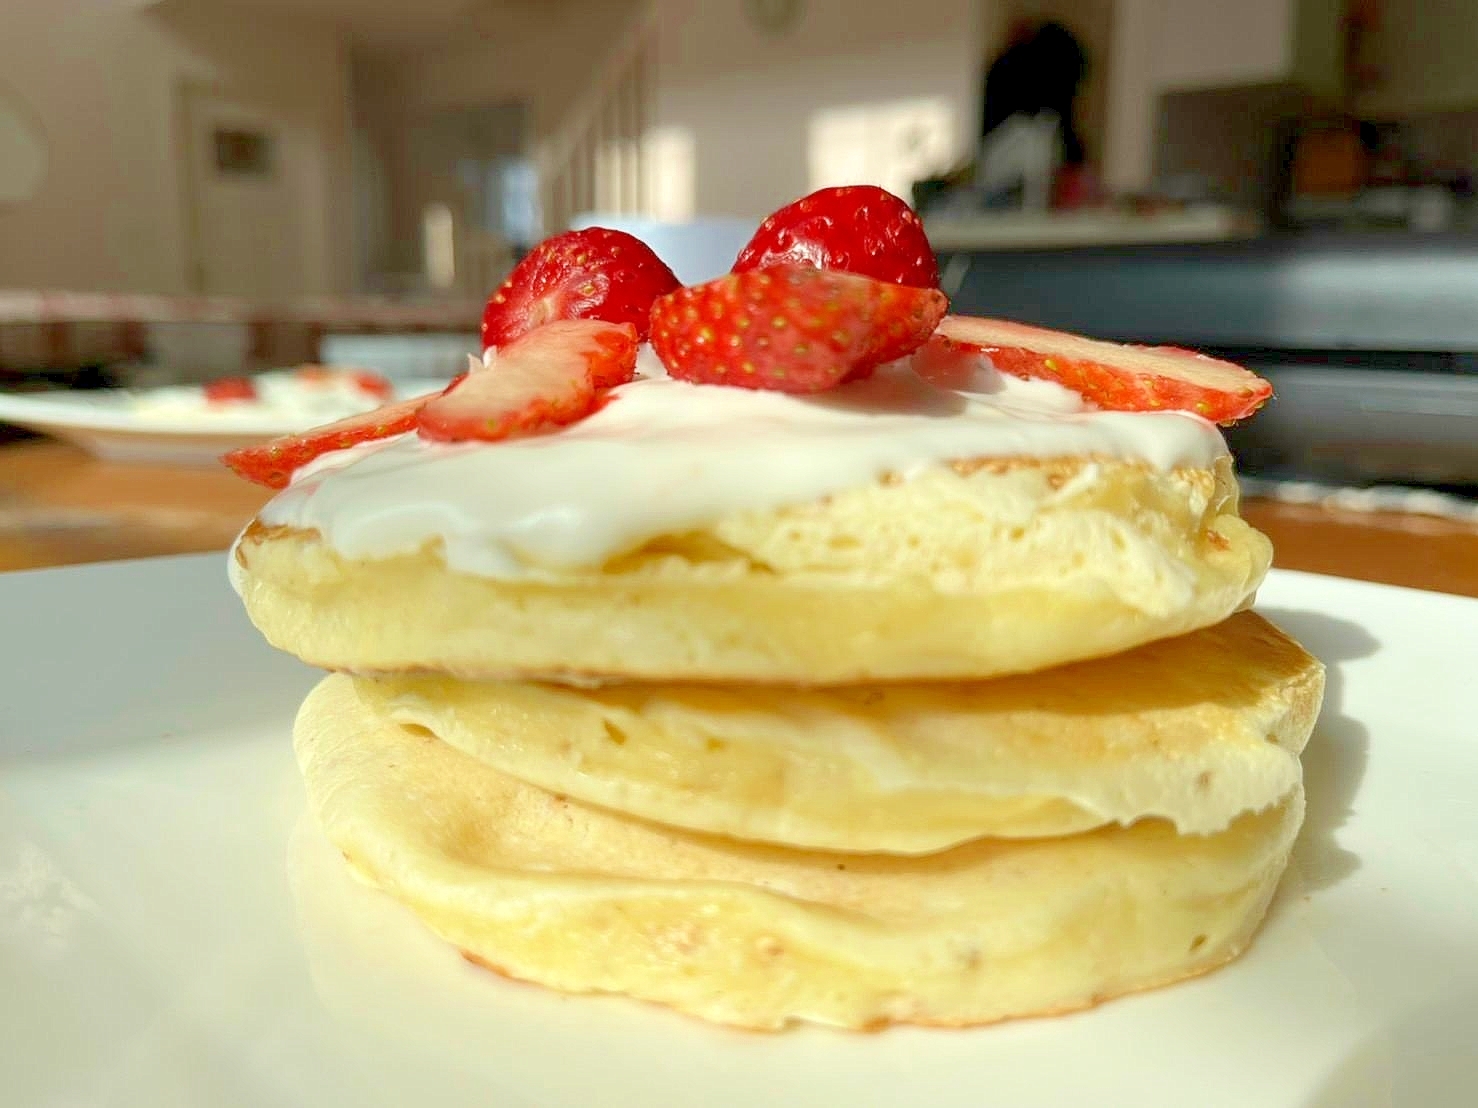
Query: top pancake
{"points": [[970, 570]]}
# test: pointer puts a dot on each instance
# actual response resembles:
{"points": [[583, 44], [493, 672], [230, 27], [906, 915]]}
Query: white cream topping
{"points": [[666, 457]]}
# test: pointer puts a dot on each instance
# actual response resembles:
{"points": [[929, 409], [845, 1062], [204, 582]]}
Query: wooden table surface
{"points": [[58, 506]]}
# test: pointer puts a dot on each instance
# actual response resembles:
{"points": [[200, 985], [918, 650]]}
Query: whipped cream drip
{"points": [[666, 457]]}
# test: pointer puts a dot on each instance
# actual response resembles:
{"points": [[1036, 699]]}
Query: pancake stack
{"points": [[875, 782], [830, 659]]}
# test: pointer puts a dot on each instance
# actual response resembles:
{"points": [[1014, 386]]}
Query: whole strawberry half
{"points": [[1113, 376], [790, 328], [273, 463], [858, 229], [551, 376], [592, 274]]}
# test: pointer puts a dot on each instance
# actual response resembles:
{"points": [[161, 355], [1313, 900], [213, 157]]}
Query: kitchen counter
{"points": [[59, 506], [1016, 230]]}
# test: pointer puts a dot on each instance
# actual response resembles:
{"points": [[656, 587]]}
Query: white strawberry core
{"points": [[1156, 361]]}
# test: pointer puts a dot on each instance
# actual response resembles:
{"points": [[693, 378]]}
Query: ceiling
{"points": [[397, 24]]}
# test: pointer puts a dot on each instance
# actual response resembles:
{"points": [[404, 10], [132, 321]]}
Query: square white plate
{"points": [[172, 932]]}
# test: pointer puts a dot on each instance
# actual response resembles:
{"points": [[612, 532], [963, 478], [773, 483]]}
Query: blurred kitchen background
{"points": [[192, 188]]}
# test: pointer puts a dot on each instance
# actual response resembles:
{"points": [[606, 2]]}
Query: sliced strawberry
{"points": [[592, 274], [552, 376], [857, 228], [790, 328], [1113, 376], [273, 463], [366, 381], [228, 389], [371, 383]]}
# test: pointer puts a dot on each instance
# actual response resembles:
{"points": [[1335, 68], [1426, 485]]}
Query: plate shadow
{"points": [[1335, 759]]}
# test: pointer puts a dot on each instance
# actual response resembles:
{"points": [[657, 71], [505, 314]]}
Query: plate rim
{"points": [[104, 410]]}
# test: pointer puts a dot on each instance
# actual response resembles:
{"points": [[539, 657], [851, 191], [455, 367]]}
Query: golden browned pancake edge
{"points": [[1196, 730], [967, 571]]}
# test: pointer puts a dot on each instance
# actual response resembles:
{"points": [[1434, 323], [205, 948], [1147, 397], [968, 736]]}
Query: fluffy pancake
{"points": [[972, 570], [1196, 730], [550, 890]]}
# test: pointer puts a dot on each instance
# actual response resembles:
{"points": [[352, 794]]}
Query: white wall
{"points": [[102, 78], [1164, 45], [1210, 43], [1129, 126], [746, 104]]}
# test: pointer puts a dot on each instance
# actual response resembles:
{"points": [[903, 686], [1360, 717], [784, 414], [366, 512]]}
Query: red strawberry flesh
{"points": [[596, 273], [1114, 376], [372, 383], [273, 463], [790, 328], [229, 389], [552, 376], [858, 229]]}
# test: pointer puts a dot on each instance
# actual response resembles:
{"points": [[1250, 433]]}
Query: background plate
{"points": [[172, 932], [105, 423]]}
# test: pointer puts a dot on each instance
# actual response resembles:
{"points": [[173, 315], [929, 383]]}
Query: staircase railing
{"points": [[595, 161]]}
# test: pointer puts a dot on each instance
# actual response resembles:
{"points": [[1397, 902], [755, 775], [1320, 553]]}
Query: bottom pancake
{"points": [[584, 900]]}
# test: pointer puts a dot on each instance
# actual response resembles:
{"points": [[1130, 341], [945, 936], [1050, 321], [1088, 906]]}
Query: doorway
{"points": [[449, 196], [244, 199]]}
